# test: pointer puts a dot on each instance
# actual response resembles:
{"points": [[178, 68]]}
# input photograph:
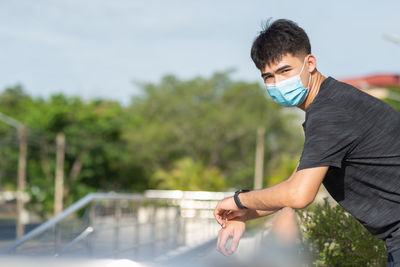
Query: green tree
{"points": [[210, 120], [188, 175], [96, 156], [391, 101], [280, 170]]}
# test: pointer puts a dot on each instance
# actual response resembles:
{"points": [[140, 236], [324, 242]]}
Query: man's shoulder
{"points": [[344, 105], [345, 93], [328, 107], [338, 98], [335, 89]]}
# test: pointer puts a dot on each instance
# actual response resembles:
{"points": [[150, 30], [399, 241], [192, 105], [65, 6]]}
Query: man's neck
{"points": [[316, 80]]}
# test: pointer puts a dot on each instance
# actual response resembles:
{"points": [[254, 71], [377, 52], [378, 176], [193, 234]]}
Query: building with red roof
{"points": [[382, 80]]}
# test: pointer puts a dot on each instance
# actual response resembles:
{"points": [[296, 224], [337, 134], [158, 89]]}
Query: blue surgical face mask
{"points": [[290, 92]]}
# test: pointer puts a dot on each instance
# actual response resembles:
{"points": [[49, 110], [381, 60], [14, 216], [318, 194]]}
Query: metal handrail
{"points": [[148, 195], [70, 210]]}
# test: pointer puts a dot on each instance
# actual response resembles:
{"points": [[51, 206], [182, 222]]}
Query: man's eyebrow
{"points": [[263, 75]]}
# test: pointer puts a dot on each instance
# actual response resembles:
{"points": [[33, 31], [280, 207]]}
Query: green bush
{"points": [[335, 238], [188, 175]]}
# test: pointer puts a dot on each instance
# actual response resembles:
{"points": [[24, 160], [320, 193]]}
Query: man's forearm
{"points": [[254, 214], [259, 207], [270, 199], [297, 192]]}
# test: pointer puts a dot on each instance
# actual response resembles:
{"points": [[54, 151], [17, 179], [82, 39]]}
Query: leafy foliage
{"points": [[284, 166], [394, 97], [188, 175], [213, 121], [208, 124], [336, 238]]}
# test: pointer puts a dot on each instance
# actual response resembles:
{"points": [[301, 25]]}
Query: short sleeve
{"points": [[329, 136]]}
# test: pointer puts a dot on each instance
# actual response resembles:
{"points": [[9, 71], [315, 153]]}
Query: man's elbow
{"points": [[304, 186], [300, 199], [301, 203]]}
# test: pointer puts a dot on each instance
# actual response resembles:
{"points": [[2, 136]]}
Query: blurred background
{"points": [[131, 96]]}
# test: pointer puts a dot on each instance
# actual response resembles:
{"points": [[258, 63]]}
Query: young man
{"points": [[352, 144]]}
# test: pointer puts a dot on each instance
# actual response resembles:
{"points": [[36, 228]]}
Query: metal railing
{"points": [[134, 226]]}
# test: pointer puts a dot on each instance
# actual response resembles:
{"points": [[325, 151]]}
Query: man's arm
{"points": [[296, 192], [249, 214]]}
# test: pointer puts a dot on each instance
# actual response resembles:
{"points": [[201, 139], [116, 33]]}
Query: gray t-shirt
{"points": [[358, 136]]}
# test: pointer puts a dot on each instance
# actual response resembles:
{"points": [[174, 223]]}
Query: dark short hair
{"points": [[277, 39]]}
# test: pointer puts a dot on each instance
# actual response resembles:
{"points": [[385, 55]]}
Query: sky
{"points": [[102, 48]]}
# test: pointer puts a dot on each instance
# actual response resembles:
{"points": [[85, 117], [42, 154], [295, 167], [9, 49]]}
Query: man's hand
{"points": [[234, 229], [227, 209]]}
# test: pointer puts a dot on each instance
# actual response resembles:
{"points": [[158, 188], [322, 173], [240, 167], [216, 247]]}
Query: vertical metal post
{"points": [[181, 235], [167, 232], [57, 238], [59, 181], [21, 179], [176, 231], [137, 229], [259, 164], [153, 224], [92, 218], [117, 226]]}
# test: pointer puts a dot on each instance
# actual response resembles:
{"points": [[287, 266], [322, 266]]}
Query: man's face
{"points": [[287, 67]]}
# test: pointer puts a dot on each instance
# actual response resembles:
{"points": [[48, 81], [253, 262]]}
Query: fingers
{"points": [[234, 243], [234, 229], [218, 215], [225, 217], [219, 239], [231, 216], [223, 237], [224, 206], [235, 214], [221, 216]]}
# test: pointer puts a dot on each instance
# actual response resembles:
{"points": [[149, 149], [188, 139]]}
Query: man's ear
{"points": [[311, 63]]}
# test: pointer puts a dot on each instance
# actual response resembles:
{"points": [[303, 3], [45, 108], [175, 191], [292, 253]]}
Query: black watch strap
{"points": [[237, 200]]}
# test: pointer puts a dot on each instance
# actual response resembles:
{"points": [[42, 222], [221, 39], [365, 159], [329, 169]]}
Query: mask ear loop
{"points": [[304, 63], [309, 80]]}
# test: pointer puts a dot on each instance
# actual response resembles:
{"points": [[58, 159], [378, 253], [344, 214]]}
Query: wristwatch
{"points": [[237, 200]]}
